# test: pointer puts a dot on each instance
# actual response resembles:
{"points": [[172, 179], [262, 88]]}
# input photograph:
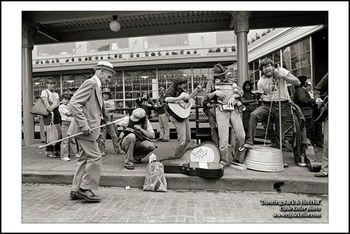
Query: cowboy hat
{"points": [[104, 65], [219, 70]]}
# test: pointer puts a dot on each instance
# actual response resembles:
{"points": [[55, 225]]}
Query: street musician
{"points": [[226, 96], [135, 137]]}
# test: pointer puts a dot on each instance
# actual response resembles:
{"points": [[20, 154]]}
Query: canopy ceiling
{"points": [[68, 26]]}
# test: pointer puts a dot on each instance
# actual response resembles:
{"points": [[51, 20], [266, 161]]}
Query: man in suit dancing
{"points": [[87, 110]]}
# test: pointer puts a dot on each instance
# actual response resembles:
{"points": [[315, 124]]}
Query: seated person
{"points": [[134, 139], [268, 85]]}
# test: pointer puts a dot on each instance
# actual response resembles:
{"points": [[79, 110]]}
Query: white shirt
{"points": [[269, 88], [63, 109], [53, 97]]}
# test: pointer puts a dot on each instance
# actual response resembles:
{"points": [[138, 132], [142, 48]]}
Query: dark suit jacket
{"points": [[87, 110]]}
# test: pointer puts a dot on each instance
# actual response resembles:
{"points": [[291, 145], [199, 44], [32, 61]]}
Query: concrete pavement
{"points": [[37, 168]]}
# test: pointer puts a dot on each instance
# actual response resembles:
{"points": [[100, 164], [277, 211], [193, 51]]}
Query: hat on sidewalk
{"points": [[137, 114], [219, 70], [104, 65]]}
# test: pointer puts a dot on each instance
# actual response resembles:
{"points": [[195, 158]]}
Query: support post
{"points": [[241, 28], [27, 84]]}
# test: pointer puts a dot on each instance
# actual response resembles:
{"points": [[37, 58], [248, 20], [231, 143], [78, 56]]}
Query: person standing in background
{"points": [[163, 117], [52, 101], [68, 147], [250, 102]]}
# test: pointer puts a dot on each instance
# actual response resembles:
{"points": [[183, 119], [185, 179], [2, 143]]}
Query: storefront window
{"points": [[55, 49], [155, 42], [107, 45], [137, 82], [226, 38], [70, 82], [295, 57]]}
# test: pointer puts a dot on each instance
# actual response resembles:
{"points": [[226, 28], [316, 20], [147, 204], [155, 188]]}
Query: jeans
{"points": [[135, 148], [262, 113], [164, 126], [224, 118], [183, 131], [102, 138]]}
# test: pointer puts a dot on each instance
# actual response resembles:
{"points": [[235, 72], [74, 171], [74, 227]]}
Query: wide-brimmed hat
{"points": [[137, 114], [104, 65], [219, 70], [106, 90]]}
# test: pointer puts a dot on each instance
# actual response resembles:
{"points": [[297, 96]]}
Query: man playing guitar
{"points": [[174, 94], [135, 138]]}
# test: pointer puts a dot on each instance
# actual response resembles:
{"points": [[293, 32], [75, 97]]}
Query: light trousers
{"points": [[224, 119], [87, 175], [183, 131]]}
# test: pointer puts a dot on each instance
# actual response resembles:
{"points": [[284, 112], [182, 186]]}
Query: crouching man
{"points": [[135, 137]]}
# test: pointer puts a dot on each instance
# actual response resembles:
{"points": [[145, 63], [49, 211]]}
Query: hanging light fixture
{"points": [[114, 25]]}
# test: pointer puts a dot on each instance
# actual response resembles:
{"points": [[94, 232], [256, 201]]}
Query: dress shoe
{"points": [[74, 196], [88, 196], [321, 174], [165, 140]]}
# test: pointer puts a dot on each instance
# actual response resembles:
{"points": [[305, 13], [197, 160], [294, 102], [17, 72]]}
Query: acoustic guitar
{"points": [[201, 160], [323, 111], [182, 109]]}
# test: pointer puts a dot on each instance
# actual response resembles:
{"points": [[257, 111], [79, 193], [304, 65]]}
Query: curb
{"points": [[183, 182]]}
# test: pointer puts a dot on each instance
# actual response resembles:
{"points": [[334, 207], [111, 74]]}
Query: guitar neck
{"points": [[194, 92]]}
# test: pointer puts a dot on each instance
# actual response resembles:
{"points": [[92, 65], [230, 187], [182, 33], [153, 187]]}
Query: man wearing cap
{"points": [[109, 106], [175, 93], [87, 110], [135, 147], [163, 117], [268, 88], [226, 116]]}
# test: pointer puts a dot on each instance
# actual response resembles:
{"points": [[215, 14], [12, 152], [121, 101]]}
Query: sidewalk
{"points": [[37, 168]]}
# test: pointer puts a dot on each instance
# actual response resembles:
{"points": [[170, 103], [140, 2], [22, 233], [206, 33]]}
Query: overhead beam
{"points": [[52, 17]]}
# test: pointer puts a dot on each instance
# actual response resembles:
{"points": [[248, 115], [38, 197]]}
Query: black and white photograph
{"points": [[175, 116]]}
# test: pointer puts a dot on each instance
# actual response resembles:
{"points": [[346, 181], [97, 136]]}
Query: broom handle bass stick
{"points": [[78, 134]]}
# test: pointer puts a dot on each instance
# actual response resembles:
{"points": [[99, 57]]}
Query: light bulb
{"points": [[114, 25]]}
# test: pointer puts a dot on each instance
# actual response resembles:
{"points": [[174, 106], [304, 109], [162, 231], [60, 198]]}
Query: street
{"points": [[45, 203]]}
